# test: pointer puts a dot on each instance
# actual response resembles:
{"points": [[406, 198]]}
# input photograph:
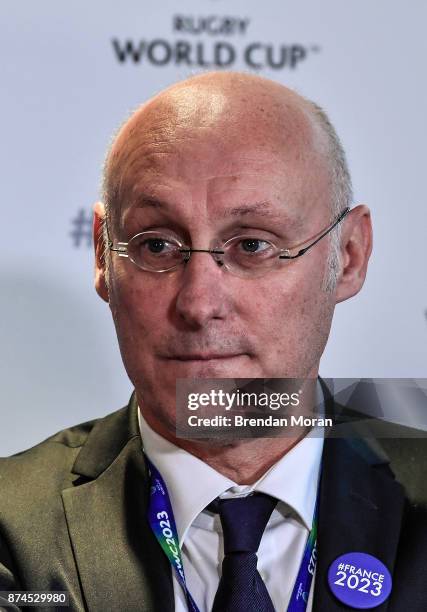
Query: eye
{"points": [[254, 245], [155, 245], [151, 246]]}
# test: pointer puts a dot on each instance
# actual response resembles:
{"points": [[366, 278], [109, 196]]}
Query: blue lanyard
{"points": [[162, 523]]}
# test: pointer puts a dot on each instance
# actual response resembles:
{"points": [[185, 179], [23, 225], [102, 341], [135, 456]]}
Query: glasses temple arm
{"points": [[302, 251], [110, 243]]}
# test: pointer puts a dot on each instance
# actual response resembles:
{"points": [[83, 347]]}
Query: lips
{"points": [[205, 356]]}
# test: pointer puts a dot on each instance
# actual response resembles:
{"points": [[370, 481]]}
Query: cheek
{"points": [[292, 320], [140, 311], [290, 298]]}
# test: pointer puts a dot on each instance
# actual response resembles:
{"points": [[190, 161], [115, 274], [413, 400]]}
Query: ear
{"points": [[356, 247], [99, 244]]}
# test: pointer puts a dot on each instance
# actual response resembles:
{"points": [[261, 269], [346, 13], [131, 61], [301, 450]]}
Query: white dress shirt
{"points": [[193, 484]]}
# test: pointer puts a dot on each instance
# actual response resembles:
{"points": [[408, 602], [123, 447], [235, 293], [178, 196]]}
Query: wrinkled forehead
{"points": [[182, 138]]}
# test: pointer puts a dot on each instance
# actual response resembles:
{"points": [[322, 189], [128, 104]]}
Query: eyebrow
{"points": [[150, 202], [263, 207], [248, 209]]}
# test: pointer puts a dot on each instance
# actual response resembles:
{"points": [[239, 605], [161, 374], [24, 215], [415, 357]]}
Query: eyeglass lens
{"points": [[241, 254]]}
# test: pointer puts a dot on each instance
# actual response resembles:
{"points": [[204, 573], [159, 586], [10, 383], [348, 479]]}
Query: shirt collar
{"points": [[294, 478], [192, 484]]}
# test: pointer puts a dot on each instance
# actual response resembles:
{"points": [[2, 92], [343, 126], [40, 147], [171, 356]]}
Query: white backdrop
{"points": [[64, 90]]}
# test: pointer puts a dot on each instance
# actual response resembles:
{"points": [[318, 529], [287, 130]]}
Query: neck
{"points": [[243, 461]]}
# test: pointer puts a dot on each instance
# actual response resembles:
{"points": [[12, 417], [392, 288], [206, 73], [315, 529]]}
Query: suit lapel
{"points": [[361, 508], [118, 558]]}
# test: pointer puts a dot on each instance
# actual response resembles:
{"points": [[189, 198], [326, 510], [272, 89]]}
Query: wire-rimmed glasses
{"points": [[244, 255]]}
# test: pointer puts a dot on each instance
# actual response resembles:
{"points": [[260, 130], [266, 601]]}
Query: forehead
{"points": [[179, 157]]}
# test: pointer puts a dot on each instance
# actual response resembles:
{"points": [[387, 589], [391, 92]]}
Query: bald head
{"points": [[226, 100], [232, 108]]}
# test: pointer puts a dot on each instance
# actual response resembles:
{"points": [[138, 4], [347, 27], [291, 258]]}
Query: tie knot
{"points": [[244, 520]]}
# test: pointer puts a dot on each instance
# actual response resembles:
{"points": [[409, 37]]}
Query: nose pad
{"points": [[217, 255]]}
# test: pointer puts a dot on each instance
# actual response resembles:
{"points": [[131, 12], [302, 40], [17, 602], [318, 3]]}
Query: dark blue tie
{"points": [[243, 519]]}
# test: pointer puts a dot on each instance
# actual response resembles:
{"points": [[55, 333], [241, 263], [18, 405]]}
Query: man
{"points": [[203, 185]]}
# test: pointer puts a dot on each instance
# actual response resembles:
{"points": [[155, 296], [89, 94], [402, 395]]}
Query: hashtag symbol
{"points": [[82, 228], [340, 566]]}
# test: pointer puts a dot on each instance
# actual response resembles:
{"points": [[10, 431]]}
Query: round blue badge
{"points": [[359, 580]]}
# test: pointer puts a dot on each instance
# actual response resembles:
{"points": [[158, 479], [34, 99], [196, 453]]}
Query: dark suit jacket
{"points": [[73, 518]]}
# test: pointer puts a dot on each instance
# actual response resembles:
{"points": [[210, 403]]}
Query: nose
{"points": [[202, 295]]}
